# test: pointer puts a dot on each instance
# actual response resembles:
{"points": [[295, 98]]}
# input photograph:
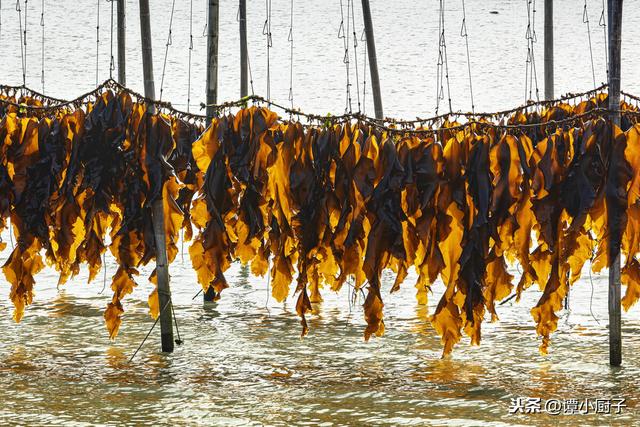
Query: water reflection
{"points": [[244, 362]]}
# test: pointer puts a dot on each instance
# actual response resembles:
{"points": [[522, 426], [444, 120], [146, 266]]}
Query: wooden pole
{"points": [[212, 79], [122, 26], [548, 49], [615, 47], [244, 55], [157, 211], [212, 57], [373, 59]]}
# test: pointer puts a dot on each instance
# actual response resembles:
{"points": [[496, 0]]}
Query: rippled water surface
{"points": [[242, 361]]}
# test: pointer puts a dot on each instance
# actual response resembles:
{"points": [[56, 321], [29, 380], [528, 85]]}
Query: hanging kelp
{"points": [[71, 180], [339, 201]]}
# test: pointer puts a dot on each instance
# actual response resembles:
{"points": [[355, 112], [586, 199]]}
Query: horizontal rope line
{"points": [[378, 123]]}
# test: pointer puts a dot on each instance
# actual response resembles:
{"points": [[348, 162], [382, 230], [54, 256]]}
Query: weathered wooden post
{"points": [[244, 55], [122, 57], [373, 59], [212, 57], [548, 49], [212, 79], [162, 267], [615, 46]]}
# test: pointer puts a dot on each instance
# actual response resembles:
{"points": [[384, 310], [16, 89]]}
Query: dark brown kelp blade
{"points": [[325, 204]]}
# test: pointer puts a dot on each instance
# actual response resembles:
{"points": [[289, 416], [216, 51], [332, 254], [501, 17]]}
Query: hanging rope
{"points": [[442, 69], [112, 62], [250, 73], [363, 38], [344, 35], [355, 53], [396, 126], [23, 42], [290, 40], [531, 75], [266, 31], [166, 49], [42, 52], [585, 20], [26, 9], [98, 44], [150, 330], [248, 58], [465, 34], [603, 24], [534, 39], [190, 53]]}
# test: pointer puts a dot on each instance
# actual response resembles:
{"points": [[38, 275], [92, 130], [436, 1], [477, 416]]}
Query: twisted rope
{"points": [[585, 20], [464, 33], [166, 51], [42, 52], [57, 104]]}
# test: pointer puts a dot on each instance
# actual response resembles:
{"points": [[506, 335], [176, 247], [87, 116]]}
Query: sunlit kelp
{"points": [[82, 181], [326, 204]]}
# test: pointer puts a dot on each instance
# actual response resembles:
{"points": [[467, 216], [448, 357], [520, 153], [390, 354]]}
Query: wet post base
{"points": [[209, 295]]}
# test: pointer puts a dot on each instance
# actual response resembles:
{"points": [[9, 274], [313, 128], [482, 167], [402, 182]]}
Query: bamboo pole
{"points": [[615, 47], [212, 81], [122, 28], [157, 211], [548, 49], [243, 49], [373, 59], [212, 56]]}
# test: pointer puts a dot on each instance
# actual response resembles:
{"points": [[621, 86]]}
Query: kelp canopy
{"points": [[325, 202]]}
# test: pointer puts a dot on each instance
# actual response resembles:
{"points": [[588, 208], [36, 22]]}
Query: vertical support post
{"points": [[212, 80], [373, 59], [122, 26], [157, 211], [147, 53], [615, 46], [548, 49], [212, 56], [244, 55]]}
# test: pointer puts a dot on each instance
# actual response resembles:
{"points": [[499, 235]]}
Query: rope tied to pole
{"points": [[266, 31], [464, 33], [344, 35], [290, 40], [442, 69], [363, 38], [55, 104], [355, 53], [585, 20], [42, 50], [26, 9], [190, 54], [177, 341], [98, 44], [531, 75], [166, 52], [603, 23], [23, 43], [166, 49]]}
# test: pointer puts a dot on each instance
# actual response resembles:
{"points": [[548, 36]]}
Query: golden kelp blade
{"points": [[325, 204]]}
